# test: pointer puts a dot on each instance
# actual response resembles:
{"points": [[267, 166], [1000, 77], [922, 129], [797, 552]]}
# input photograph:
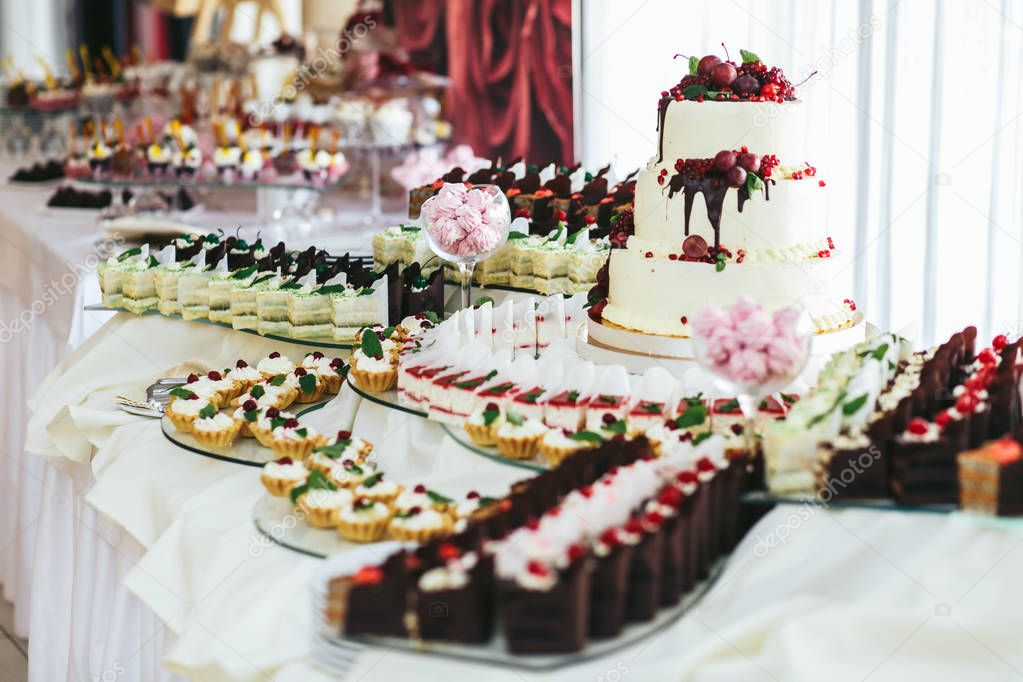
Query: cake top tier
{"points": [[712, 78]]}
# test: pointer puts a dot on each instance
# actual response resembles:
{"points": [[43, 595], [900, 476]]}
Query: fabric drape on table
{"points": [[510, 65]]}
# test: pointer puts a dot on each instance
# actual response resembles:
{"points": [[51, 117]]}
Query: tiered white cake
{"points": [[773, 242]]}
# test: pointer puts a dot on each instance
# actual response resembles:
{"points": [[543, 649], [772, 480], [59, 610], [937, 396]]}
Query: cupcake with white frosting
{"points": [[518, 437], [364, 520], [377, 489], [216, 430], [292, 439], [184, 409], [280, 476], [274, 364], [419, 524]]}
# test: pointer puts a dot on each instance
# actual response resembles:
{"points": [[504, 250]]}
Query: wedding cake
{"points": [[729, 205]]}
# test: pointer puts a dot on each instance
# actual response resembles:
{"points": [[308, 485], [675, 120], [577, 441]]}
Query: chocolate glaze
{"points": [[454, 175], [714, 189], [662, 110]]}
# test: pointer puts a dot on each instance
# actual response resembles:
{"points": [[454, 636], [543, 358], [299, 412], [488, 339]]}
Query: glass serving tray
{"points": [[247, 451], [386, 398], [337, 653], [460, 436], [279, 522], [312, 342], [762, 497], [170, 181]]}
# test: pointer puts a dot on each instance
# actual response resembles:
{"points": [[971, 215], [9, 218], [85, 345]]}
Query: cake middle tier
{"points": [[791, 212], [656, 295]]}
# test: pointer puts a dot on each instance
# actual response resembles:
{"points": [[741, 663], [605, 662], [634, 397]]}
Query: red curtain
{"points": [[510, 63]]}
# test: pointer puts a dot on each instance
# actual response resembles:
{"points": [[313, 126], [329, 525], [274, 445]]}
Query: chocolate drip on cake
{"points": [[662, 110], [714, 190]]}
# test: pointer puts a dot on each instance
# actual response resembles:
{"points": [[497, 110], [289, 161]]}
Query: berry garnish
{"points": [[317, 355], [918, 426], [273, 413], [447, 551], [241, 364], [192, 378], [707, 64], [274, 355], [967, 403], [942, 419], [575, 552], [285, 460], [472, 495], [214, 376], [300, 371], [344, 435], [634, 526], [291, 423], [534, 567], [249, 406], [987, 357], [1000, 342], [694, 247], [419, 489]]}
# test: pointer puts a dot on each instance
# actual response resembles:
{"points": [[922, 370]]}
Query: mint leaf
{"points": [[387, 332], [208, 412], [302, 432], [587, 436], [307, 383], [617, 427], [251, 415], [731, 406], [853, 406], [371, 347], [291, 284], [331, 289], [694, 91], [753, 183], [433, 317], [702, 437], [182, 393], [278, 380], [373, 480], [822, 416], [437, 498], [489, 416], [880, 352], [748, 57], [336, 450], [366, 291], [650, 408], [694, 65], [245, 272], [409, 228], [137, 251], [277, 422], [720, 263], [572, 396], [693, 416], [514, 234], [514, 418], [483, 300], [257, 391]]}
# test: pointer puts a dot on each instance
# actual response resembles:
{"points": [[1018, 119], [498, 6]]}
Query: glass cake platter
{"points": [[337, 653], [460, 436], [281, 523], [292, 182], [312, 341], [385, 398], [247, 451], [764, 498]]}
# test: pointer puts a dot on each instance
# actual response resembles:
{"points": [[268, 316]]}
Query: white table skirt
{"points": [[808, 595]]}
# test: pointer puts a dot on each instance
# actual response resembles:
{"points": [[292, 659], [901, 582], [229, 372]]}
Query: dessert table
{"points": [[128, 557]]}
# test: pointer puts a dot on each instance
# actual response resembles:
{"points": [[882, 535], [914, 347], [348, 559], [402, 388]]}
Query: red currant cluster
{"points": [[824, 253], [807, 172], [850, 304], [768, 163], [622, 228], [749, 81]]}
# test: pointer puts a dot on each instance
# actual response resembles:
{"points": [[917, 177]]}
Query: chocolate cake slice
{"points": [[609, 584], [552, 620], [924, 467], [455, 600], [991, 479], [376, 599], [643, 596]]}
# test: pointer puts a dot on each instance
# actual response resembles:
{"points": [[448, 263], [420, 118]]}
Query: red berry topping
{"points": [[918, 426], [344, 435], [447, 551], [704, 464], [943, 419], [654, 518], [368, 575], [285, 460], [192, 378], [821, 183], [967, 403], [249, 405], [770, 90], [491, 407], [317, 355], [609, 538], [214, 376], [575, 552], [560, 215], [634, 526], [724, 160], [586, 491], [532, 524], [987, 357], [472, 495], [707, 64], [419, 489], [536, 568], [415, 511], [348, 463], [649, 254], [686, 477], [240, 364], [291, 423], [608, 418], [275, 355], [1000, 342], [694, 246], [273, 412], [684, 319], [670, 497]]}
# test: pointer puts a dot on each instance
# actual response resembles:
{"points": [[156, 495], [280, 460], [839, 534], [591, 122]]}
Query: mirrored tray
{"points": [[459, 435], [292, 182], [279, 522], [247, 451], [762, 497], [386, 398], [312, 342], [335, 652]]}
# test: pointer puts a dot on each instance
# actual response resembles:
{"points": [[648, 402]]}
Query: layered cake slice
{"points": [[991, 479]]}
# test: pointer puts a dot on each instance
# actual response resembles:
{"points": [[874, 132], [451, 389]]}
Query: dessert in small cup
{"points": [[265, 422], [377, 489], [184, 408], [310, 388], [419, 524], [364, 520], [245, 375], [482, 425], [519, 438], [247, 414], [557, 444], [280, 476], [269, 394], [338, 449], [347, 474], [274, 364], [320, 500], [291, 439], [215, 429], [371, 369], [333, 375], [422, 497]]}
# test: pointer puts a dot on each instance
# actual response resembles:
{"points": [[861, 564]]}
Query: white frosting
{"points": [[321, 498], [278, 365], [426, 519], [187, 407], [295, 471], [217, 422], [288, 434], [527, 429], [375, 512]]}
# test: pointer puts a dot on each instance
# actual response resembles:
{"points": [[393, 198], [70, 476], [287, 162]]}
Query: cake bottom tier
{"points": [[660, 296]]}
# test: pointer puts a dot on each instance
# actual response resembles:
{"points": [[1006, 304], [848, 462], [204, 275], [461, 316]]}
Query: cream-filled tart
{"points": [[482, 424], [280, 476], [375, 373], [422, 497], [557, 444], [518, 437], [320, 500], [377, 489], [245, 375], [419, 524], [364, 520], [216, 430], [308, 384], [185, 407], [274, 364], [266, 421], [292, 439], [348, 474]]}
